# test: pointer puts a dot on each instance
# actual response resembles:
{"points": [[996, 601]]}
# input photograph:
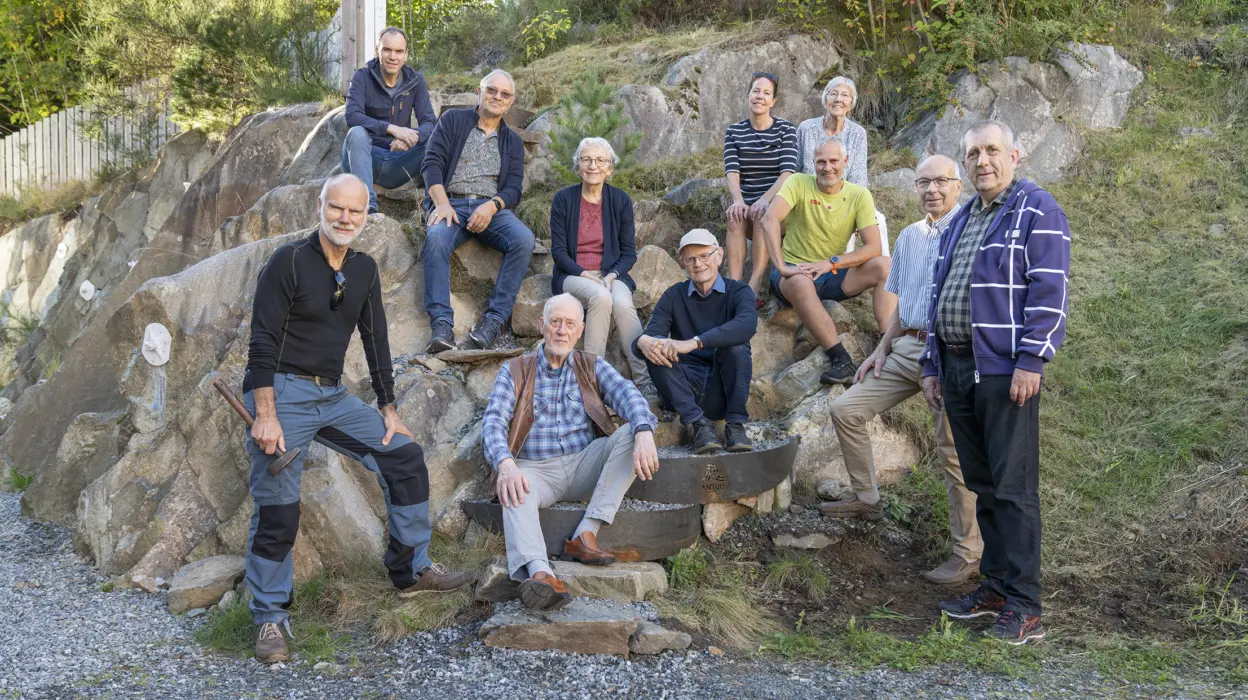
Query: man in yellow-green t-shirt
{"points": [[820, 214]]}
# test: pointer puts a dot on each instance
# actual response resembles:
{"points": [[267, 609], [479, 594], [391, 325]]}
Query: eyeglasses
{"points": [[704, 258], [600, 162], [764, 74], [941, 182], [336, 300], [495, 92]]}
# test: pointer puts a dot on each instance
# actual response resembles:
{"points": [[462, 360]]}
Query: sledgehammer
{"points": [[283, 458]]}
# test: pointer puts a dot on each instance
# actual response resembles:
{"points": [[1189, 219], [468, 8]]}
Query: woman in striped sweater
{"points": [[760, 153]]}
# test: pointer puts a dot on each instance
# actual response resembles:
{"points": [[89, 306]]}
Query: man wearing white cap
{"points": [[697, 346]]}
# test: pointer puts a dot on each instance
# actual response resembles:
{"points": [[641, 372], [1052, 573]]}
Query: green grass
{"points": [[17, 482], [34, 202], [337, 611], [801, 572]]}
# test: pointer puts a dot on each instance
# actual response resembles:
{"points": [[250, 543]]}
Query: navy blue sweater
{"points": [[447, 142], [721, 319], [619, 243], [370, 106]]}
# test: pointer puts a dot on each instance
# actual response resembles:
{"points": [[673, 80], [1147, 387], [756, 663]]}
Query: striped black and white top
{"points": [[759, 157]]}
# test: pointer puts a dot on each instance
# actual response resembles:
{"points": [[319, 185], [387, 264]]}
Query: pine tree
{"points": [[589, 111]]}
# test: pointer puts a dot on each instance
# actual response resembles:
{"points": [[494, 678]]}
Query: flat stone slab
{"points": [[626, 582], [474, 356], [653, 639], [202, 583], [722, 477], [584, 627], [642, 531], [805, 530], [814, 540]]}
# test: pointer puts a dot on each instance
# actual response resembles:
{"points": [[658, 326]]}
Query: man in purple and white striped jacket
{"points": [[998, 315]]}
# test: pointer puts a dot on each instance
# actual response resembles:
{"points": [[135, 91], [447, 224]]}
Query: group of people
{"points": [[971, 306]]}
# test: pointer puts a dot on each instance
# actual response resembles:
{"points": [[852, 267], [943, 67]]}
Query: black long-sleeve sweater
{"points": [[294, 330], [720, 319]]}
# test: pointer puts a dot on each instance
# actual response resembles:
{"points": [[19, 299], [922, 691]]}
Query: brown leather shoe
{"points": [[585, 550], [436, 579], [852, 507], [544, 592], [953, 572], [271, 644]]}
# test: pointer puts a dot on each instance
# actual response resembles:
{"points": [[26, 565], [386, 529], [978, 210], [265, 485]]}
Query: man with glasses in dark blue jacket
{"points": [[381, 147]]}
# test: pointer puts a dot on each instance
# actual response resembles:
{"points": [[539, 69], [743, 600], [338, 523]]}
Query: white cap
{"points": [[698, 236]]}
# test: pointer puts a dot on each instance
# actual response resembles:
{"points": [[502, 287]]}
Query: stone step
{"points": [[627, 582], [642, 531], [722, 477], [584, 627]]}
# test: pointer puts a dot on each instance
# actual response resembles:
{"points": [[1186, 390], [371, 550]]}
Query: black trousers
{"points": [[697, 391], [998, 443]]}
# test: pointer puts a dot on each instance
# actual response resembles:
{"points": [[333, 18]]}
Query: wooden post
{"points": [[362, 21]]}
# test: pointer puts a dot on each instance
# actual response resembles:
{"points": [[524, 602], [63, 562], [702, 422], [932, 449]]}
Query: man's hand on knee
{"points": [[512, 484], [645, 455], [440, 213], [394, 424]]}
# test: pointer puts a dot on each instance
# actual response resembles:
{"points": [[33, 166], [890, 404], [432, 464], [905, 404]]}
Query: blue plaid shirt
{"points": [[560, 424]]}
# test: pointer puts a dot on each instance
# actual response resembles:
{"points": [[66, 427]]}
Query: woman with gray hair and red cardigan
{"points": [[593, 245]]}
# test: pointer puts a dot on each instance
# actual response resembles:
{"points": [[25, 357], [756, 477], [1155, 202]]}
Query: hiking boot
{"points": [[953, 572], [853, 507], [271, 644], [736, 437], [486, 332], [983, 601], [443, 337], [842, 372], [585, 550], [704, 440], [649, 392], [544, 592], [437, 579], [1017, 628]]}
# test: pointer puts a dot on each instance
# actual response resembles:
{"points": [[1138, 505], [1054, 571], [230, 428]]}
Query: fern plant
{"points": [[590, 111]]}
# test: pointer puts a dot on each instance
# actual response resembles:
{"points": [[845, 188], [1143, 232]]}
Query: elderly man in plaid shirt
{"points": [[549, 438]]}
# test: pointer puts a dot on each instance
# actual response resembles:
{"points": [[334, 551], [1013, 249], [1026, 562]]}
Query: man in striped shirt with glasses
{"points": [[892, 374]]}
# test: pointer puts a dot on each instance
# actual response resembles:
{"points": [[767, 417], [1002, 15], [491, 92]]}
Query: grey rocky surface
{"points": [[62, 637]]}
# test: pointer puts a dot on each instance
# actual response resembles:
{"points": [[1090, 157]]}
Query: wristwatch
{"points": [[498, 204], [699, 339], [835, 260]]}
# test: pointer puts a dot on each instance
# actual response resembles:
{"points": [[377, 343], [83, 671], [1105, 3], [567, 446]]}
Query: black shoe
{"points": [[484, 335], [704, 440], [842, 372], [736, 437], [443, 337], [980, 602], [1017, 628]]}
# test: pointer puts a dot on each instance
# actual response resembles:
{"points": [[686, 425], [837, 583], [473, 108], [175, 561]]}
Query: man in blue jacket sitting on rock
{"points": [[697, 346], [997, 317], [381, 146]]}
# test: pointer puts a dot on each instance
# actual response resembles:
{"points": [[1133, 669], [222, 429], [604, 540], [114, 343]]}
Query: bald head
{"points": [[938, 183], [344, 208]]}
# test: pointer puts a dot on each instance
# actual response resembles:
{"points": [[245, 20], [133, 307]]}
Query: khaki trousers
{"points": [[900, 379], [601, 473], [600, 307]]}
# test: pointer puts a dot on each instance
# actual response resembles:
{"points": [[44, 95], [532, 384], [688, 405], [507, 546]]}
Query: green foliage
{"points": [[897, 508], [17, 481], [801, 572], [542, 32], [589, 111], [223, 58], [39, 70], [424, 19], [688, 568]]}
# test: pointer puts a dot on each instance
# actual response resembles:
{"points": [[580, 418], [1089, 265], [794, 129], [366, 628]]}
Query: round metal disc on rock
{"points": [[722, 477]]}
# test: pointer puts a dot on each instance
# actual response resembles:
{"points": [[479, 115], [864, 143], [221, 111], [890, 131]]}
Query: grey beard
{"points": [[337, 238]]}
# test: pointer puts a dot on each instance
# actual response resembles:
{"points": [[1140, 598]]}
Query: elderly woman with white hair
{"points": [[593, 244], [839, 97]]}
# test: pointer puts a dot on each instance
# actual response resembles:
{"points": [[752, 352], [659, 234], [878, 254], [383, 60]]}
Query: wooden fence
{"points": [[60, 149]]}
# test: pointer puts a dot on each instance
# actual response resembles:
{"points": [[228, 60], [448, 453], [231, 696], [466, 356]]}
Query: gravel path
{"points": [[62, 637]]}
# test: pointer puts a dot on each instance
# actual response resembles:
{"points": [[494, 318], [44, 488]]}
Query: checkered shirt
{"points": [[561, 426], [953, 311]]}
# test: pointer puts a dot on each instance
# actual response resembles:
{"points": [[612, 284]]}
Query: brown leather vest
{"points": [[524, 374]]}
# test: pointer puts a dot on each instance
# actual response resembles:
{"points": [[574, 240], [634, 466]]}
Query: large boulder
{"points": [[321, 150], [201, 584], [1088, 86], [654, 272], [704, 92]]}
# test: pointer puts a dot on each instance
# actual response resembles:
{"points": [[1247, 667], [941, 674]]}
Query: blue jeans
{"points": [[697, 391], [343, 423], [370, 163], [506, 233]]}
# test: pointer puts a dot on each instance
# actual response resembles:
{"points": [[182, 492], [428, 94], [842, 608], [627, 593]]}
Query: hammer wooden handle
{"points": [[233, 401]]}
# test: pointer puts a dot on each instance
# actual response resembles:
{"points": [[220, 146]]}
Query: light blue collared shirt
{"points": [[719, 286]]}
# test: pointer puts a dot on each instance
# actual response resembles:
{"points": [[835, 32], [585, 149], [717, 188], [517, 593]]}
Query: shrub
{"points": [[589, 111]]}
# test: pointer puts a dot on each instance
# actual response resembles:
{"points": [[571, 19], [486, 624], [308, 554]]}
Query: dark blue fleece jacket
{"points": [[1019, 284], [370, 106]]}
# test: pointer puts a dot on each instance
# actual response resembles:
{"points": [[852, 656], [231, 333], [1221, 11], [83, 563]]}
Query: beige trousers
{"points": [[601, 306], [900, 379]]}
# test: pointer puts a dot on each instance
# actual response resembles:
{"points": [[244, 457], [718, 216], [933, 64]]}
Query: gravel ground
{"points": [[62, 637]]}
